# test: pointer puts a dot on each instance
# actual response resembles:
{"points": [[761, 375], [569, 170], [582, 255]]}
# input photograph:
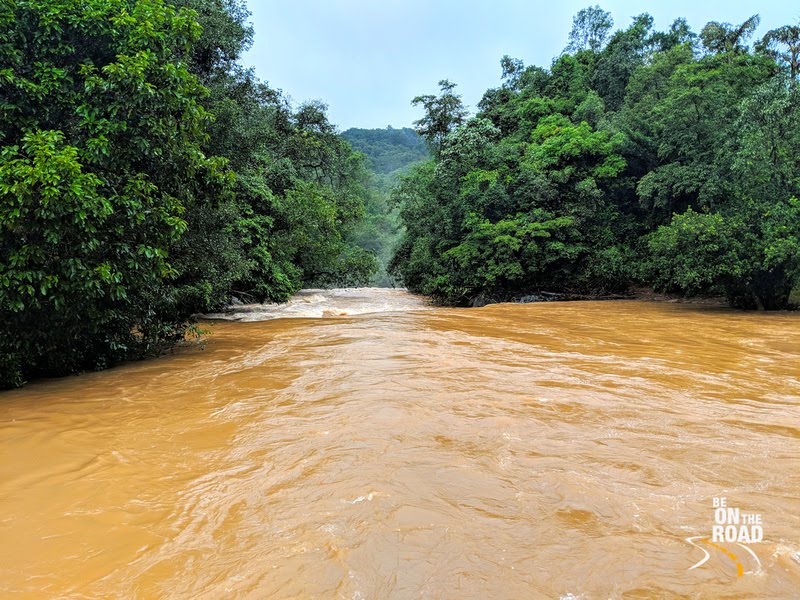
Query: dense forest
{"points": [[390, 151], [668, 159], [145, 176], [390, 154]]}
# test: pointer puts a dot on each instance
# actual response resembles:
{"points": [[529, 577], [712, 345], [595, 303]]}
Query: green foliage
{"points": [[691, 126], [751, 254], [625, 52], [783, 44], [724, 38], [590, 29], [517, 253], [388, 150], [749, 248], [145, 177], [631, 159], [100, 163], [390, 154], [491, 221], [443, 113]]}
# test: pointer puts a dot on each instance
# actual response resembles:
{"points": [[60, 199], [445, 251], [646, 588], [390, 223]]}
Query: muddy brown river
{"points": [[359, 444]]}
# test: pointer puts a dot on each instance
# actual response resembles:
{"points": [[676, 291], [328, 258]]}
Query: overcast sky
{"points": [[367, 59]]}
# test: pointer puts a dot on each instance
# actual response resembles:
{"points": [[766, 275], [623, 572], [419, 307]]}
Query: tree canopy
{"points": [[636, 158], [443, 113], [145, 176]]}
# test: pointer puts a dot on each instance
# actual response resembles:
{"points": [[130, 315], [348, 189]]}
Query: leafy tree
{"points": [[632, 159], [750, 254], [100, 162], [766, 151], [226, 35], [691, 124], [679, 34], [722, 38], [443, 113], [626, 51], [496, 104], [484, 225], [590, 29], [787, 37], [117, 220]]}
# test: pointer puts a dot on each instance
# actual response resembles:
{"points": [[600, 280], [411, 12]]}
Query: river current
{"points": [[362, 444]]}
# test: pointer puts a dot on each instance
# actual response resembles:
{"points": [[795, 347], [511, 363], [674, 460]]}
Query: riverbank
{"points": [[633, 293]]}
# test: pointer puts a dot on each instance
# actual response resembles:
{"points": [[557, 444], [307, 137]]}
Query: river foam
{"points": [[326, 303]]}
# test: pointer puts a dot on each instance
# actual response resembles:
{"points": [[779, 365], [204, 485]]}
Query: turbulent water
{"points": [[375, 447]]}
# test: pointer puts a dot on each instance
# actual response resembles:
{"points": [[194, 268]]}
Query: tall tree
{"points": [[590, 29], [101, 160], [723, 38], [443, 113], [783, 43], [679, 33], [624, 53]]}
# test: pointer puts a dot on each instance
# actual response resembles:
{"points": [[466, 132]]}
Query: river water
{"points": [[360, 444]]}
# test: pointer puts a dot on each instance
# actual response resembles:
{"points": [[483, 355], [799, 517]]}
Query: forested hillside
{"points": [[389, 150], [390, 154], [146, 176], [662, 158]]}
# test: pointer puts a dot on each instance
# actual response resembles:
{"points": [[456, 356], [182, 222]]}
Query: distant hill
{"points": [[390, 153], [389, 150]]}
